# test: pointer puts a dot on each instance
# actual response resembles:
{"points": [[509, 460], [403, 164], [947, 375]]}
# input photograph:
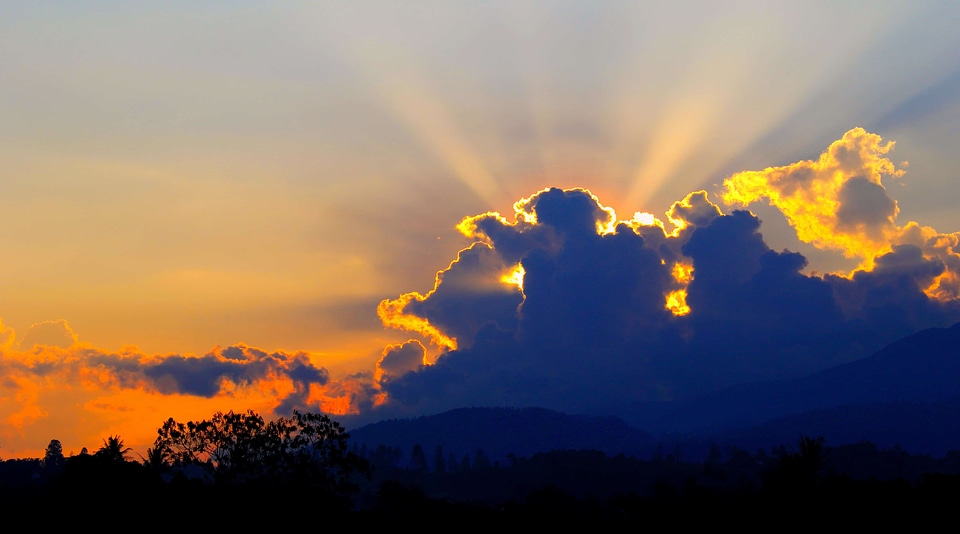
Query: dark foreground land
{"points": [[806, 483]]}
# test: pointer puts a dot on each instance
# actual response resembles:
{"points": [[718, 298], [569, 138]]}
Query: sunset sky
{"points": [[203, 204]]}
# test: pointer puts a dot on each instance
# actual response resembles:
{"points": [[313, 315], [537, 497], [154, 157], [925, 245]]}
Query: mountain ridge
{"points": [[905, 393]]}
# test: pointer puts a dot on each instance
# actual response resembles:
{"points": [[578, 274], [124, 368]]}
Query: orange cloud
{"points": [[79, 394], [943, 247], [49, 333], [7, 336]]}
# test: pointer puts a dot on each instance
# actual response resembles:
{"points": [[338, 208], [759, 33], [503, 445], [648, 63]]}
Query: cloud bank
{"points": [[567, 306]]}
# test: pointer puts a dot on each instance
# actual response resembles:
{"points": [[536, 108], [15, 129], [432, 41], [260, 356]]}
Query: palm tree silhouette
{"points": [[156, 458], [113, 450]]}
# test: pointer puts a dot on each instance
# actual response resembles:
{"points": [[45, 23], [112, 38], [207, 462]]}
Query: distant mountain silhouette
{"points": [[907, 393], [502, 431], [923, 368], [929, 428]]}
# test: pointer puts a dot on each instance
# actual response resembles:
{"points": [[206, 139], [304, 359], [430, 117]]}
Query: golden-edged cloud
{"points": [[399, 359], [836, 202], [640, 309], [839, 202]]}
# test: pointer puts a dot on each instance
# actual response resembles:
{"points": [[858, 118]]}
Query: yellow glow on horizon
{"points": [[44, 408]]}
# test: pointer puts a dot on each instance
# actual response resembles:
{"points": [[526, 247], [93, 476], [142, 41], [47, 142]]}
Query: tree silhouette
{"points": [[156, 458], [452, 465], [53, 459], [306, 449], [439, 461], [480, 461], [314, 450], [113, 450], [386, 458], [418, 459], [230, 446], [798, 471]]}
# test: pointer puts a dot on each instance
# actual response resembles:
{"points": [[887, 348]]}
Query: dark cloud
{"points": [[694, 210], [726, 253], [398, 360], [205, 376], [889, 301], [594, 290], [470, 294], [589, 297], [740, 281], [591, 331], [574, 213], [754, 315]]}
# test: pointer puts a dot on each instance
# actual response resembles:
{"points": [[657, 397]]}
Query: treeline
{"points": [[306, 463], [863, 460], [805, 480], [300, 460]]}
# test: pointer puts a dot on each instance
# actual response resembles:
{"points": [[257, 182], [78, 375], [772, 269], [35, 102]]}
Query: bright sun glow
{"points": [[514, 277], [677, 299], [682, 272], [677, 302]]}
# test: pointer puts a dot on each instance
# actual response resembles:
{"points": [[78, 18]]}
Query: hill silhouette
{"points": [[500, 432], [923, 368], [907, 393], [921, 428]]}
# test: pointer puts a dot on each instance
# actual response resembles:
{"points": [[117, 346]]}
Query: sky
{"points": [[245, 205]]}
